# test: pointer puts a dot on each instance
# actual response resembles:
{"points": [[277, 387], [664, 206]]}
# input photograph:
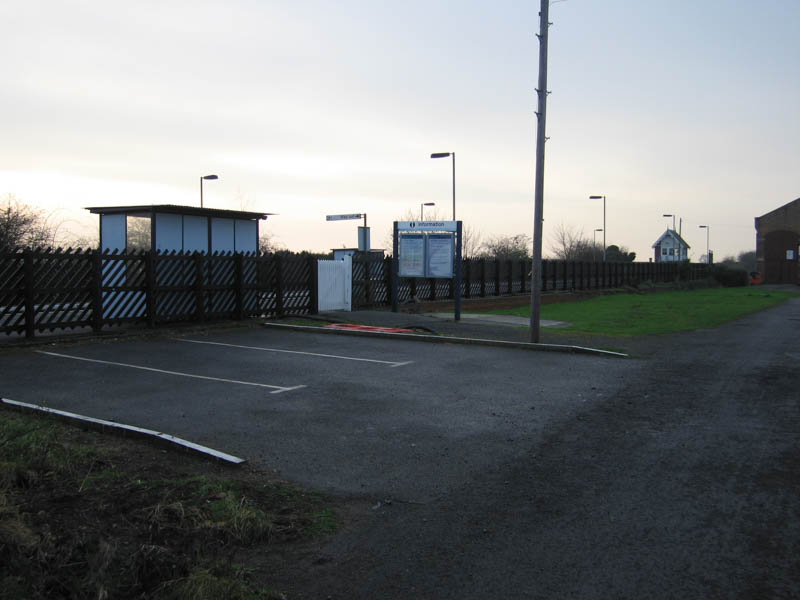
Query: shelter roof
{"points": [[149, 209]]}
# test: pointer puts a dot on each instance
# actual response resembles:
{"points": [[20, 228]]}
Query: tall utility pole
{"points": [[536, 271]]}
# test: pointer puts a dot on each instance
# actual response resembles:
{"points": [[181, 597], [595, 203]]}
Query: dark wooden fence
{"points": [[47, 290], [483, 278]]}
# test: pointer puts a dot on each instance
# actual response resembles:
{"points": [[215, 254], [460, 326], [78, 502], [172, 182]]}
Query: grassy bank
{"points": [[86, 515], [663, 312]]}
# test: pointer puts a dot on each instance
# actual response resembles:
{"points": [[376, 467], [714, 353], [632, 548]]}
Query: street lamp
{"points": [[201, 186], [425, 204], [673, 220], [604, 222], [708, 252], [445, 155], [594, 244]]}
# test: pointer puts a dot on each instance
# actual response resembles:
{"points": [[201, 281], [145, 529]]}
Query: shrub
{"points": [[729, 277]]}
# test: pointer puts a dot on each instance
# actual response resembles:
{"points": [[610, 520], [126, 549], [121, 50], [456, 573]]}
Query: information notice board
{"points": [[427, 255], [430, 250]]}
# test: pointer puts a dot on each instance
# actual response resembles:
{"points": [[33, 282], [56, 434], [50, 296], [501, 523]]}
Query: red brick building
{"points": [[778, 243]]}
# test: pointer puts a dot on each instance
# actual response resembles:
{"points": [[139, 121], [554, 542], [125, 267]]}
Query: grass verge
{"points": [[84, 515], [663, 312]]}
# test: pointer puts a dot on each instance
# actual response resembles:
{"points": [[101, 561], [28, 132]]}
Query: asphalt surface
{"points": [[486, 472], [389, 418], [682, 483]]}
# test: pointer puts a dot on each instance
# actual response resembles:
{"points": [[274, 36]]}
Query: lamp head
{"points": [[440, 154], [209, 177]]}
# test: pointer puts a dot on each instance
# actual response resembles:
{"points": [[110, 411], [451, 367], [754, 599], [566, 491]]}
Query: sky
{"points": [[314, 108]]}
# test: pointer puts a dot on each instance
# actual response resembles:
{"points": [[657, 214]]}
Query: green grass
{"points": [[663, 312]]}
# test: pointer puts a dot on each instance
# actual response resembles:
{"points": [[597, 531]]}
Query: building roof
{"points": [[784, 207], [671, 233], [148, 209]]}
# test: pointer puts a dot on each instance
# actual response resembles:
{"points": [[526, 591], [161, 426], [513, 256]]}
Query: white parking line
{"points": [[278, 389], [370, 360]]}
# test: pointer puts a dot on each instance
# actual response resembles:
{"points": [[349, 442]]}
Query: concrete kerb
{"points": [[123, 430], [440, 339]]}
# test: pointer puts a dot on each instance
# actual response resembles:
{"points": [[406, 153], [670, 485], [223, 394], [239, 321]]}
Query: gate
{"points": [[335, 284]]}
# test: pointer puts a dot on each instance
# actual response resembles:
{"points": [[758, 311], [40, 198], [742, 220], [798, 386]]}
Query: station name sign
{"points": [[343, 217], [451, 226]]}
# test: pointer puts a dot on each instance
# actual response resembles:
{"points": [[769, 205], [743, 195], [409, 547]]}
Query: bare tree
{"points": [[571, 244], [508, 247], [22, 225], [268, 243]]}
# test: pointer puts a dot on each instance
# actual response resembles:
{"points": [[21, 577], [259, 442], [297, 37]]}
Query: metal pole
{"points": [[457, 292], [201, 192], [395, 268], [454, 186], [536, 271], [604, 229]]}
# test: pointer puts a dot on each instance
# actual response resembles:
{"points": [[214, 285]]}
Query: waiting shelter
{"points": [[169, 227]]}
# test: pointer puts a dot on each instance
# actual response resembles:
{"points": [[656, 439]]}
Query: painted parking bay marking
{"points": [[277, 388], [370, 360]]}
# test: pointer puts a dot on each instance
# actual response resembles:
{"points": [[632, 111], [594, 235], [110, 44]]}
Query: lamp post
{"points": [[445, 155], [424, 204], [604, 222], [594, 244], [708, 252], [201, 186]]}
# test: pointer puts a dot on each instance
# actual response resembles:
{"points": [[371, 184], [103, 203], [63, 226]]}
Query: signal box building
{"points": [[778, 244], [670, 247]]}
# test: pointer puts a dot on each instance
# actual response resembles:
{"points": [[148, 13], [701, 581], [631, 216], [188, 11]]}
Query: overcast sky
{"points": [[308, 108]]}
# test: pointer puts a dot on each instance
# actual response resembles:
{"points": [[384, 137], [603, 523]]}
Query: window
{"points": [[663, 252], [672, 251]]}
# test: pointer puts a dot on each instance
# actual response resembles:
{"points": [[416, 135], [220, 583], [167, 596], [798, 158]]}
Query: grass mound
{"points": [[83, 515]]}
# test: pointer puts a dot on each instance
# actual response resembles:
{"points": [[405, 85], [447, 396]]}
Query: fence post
{"points": [[199, 276], [313, 284], [387, 275], [150, 288], [278, 285], [497, 264], [483, 277], [97, 294], [467, 263], [238, 273], [544, 274], [30, 295]]}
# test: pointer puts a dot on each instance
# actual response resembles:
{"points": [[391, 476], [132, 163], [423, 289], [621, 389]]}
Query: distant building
{"points": [[671, 247], [777, 244]]}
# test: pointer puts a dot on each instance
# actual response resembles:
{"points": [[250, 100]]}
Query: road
{"points": [[683, 483], [480, 472]]}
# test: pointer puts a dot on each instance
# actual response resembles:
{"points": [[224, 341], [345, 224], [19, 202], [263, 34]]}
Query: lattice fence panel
{"points": [[123, 287], [62, 282], [175, 294], [296, 290], [12, 293]]}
